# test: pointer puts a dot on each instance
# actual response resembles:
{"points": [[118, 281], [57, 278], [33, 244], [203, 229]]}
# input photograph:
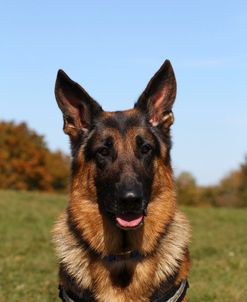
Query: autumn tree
{"points": [[26, 163], [187, 190], [232, 190]]}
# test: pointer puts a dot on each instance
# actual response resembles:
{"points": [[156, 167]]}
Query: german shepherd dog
{"points": [[122, 237]]}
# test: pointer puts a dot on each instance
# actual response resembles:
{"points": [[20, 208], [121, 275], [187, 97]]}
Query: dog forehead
{"points": [[121, 121]]}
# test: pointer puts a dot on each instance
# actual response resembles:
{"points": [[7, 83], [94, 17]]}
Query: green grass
{"points": [[219, 254], [28, 268]]}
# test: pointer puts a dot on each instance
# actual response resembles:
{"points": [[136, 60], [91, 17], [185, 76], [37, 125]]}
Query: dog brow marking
{"points": [[122, 121]]}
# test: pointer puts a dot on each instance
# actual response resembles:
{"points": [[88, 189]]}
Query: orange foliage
{"points": [[26, 163]]}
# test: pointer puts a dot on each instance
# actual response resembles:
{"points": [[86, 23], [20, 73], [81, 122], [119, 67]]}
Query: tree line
{"points": [[26, 163], [231, 191]]}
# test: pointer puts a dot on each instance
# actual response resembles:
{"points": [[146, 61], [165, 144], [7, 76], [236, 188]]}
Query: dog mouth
{"points": [[129, 220]]}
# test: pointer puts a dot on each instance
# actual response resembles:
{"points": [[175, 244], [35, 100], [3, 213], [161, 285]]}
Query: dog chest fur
{"points": [[98, 277]]}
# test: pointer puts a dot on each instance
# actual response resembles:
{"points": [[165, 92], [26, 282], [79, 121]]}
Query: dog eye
{"points": [[104, 151], [146, 149]]}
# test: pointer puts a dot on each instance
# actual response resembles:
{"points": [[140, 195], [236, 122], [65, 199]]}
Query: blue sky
{"points": [[112, 48]]}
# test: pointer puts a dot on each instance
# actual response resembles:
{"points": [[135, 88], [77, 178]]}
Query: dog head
{"points": [[121, 147]]}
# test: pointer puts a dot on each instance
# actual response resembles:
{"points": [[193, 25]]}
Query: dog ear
{"points": [[158, 97], [77, 106]]}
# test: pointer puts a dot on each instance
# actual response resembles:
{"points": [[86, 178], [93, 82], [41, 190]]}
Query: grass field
{"points": [[28, 266]]}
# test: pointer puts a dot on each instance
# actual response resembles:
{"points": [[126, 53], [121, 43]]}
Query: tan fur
{"points": [[148, 274]]}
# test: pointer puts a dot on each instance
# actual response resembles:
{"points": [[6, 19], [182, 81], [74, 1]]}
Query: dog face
{"points": [[123, 149], [122, 146]]}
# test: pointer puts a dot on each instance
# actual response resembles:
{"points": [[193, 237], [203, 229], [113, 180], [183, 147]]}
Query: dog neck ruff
{"points": [[175, 294]]}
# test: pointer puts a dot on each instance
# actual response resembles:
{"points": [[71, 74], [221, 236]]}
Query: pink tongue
{"points": [[129, 220]]}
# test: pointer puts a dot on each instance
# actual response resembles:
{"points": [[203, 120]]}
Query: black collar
{"points": [[175, 294], [134, 254]]}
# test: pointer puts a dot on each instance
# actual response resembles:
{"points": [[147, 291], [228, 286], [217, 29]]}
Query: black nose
{"points": [[130, 197]]}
